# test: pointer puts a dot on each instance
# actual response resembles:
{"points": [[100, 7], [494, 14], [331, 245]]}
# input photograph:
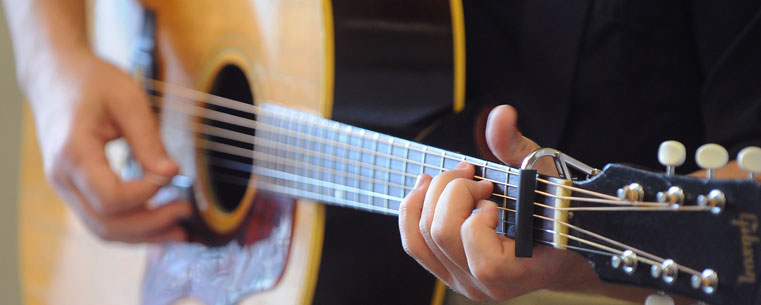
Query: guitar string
{"points": [[257, 125], [375, 194], [510, 170], [617, 243], [246, 153], [273, 186], [247, 168], [645, 258], [300, 193], [193, 95], [586, 241]]}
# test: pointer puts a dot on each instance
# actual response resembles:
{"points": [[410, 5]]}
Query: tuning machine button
{"points": [[632, 192], [671, 154], [659, 299], [711, 157], [749, 160]]}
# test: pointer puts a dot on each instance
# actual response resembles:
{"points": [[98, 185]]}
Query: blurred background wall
{"points": [[11, 103]]}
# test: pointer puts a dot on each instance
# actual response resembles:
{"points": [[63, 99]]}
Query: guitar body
{"points": [[319, 56]]}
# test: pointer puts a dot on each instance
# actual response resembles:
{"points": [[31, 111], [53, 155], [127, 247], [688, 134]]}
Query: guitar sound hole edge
{"points": [[228, 175]]}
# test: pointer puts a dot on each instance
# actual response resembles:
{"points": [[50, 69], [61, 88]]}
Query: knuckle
{"points": [[440, 234], [423, 227], [467, 230], [459, 183], [403, 207], [410, 250], [105, 204]]}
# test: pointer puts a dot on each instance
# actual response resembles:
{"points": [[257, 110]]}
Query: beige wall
{"points": [[10, 122]]}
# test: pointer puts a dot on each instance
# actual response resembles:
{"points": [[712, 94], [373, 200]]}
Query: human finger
{"points": [[436, 187], [461, 279], [141, 225], [506, 141], [134, 118], [490, 256], [102, 188], [459, 199], [412, 241]]}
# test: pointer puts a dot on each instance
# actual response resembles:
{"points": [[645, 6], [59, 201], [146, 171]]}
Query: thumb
{"points": [[137, 124], [503, 137]]}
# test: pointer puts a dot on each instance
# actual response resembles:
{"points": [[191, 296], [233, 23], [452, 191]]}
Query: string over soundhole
{"points": [[225, 152]]}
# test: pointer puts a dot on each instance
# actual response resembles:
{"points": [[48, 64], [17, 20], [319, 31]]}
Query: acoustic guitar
{"points": [[243, 90]]}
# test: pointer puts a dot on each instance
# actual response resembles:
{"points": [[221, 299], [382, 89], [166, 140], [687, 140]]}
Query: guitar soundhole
{"points": [[227, 153]]}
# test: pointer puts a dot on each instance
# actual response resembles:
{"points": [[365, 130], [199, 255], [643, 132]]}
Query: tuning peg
{"points": [[711, 157], [671, 154], [659, 299], [749, 160]]}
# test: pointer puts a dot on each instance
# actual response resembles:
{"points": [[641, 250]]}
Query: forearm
{"points": [[45, 34]]}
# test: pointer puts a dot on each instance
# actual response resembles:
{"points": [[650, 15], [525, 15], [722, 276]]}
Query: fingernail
{"points": [[461, 165], [419, 181]]}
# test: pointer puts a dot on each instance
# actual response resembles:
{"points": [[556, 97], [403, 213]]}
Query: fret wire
{"points": [[288, 139], [262, 142], [280, 139], [511, 169], [300, 193], [273, 187], [442, 168], [269, 127], [344, 168], [296, 149], [263, 156], [388, 174], [422, 166], [325, 198], [359, 163], [191, 96], [424, 149], [423, 163], [280, 120], [259, 156], [321, 197], [262, 171], [404, 167], [374, 149], [328, 149]]}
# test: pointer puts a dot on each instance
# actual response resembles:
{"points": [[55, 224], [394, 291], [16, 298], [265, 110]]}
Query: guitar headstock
{"points": [[696, 237]]}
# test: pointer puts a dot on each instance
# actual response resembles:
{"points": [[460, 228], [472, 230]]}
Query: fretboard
{"points": [[301, 155]]}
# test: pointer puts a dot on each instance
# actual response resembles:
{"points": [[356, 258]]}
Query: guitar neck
{"points": [[300, 155]]}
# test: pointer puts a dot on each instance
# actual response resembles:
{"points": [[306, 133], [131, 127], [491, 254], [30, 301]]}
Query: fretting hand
{"points": [[461, 248]]}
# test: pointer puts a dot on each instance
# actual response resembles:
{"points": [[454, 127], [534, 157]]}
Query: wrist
{"points": [[42, 73]]}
